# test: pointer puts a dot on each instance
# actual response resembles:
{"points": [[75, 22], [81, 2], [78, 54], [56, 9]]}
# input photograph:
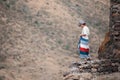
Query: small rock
{"points": [[81, 67], [86, 76], [94, 70], [82, 78], [76, 77], [95, 66]]}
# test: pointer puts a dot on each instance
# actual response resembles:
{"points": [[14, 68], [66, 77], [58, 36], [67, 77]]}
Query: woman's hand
{"points": [[80, 35]]}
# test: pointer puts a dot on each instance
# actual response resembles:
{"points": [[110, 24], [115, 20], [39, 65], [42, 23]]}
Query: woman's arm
{"points": [[82, 35]]}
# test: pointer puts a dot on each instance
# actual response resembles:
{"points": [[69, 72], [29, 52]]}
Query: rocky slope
{"points": [[39, 37]]}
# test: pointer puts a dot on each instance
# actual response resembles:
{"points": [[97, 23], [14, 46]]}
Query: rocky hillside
{"points": [[39, 37]]}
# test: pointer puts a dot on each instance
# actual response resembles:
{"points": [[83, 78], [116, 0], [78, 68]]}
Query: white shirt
{"points": [[86, 31]]}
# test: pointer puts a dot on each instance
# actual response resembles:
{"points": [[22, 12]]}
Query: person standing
{"points": [[84, 40]]}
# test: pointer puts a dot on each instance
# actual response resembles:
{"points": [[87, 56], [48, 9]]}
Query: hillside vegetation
{"points": [[39, 37]]}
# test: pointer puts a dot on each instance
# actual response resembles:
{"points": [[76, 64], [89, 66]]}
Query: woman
{"points": [[84, 40]]}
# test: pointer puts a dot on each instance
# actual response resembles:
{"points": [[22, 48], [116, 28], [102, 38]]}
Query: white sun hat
{"points": [[81, 22]]}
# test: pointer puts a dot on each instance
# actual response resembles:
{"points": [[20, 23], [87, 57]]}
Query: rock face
{"points": [[110, 47]]}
